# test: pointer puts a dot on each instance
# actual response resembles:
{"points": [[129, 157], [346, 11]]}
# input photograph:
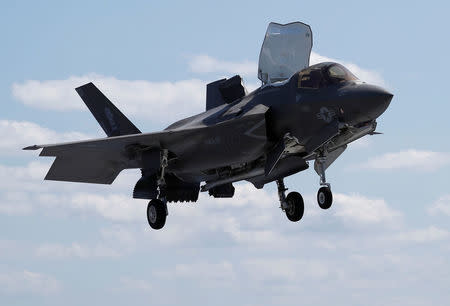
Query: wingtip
{"points": [[34, 147]]}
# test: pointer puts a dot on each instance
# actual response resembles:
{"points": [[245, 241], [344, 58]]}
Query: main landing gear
{"points": [[292, 205], [156, 213], [157, 208]]}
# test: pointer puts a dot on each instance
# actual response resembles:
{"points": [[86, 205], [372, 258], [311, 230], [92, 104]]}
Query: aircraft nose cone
{"points": [[364, 102], [382, 96], [378, 100], [371, 101]]}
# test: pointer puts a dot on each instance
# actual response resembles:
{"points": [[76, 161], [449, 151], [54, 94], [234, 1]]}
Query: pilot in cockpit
{"points": [[323, 75]]}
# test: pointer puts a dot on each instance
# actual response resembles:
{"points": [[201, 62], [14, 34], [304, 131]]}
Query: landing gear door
{"points": [[285, 50]]}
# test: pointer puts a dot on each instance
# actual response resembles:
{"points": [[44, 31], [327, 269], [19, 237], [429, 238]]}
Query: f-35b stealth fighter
{"points": [[299, 114]]}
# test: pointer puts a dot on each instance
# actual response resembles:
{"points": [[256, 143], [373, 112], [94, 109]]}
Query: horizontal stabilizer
{"points": [[88, 168], [97, 160], [110, 118]]}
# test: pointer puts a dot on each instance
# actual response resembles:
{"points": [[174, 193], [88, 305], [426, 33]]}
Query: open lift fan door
{"points": [[285, 50]]}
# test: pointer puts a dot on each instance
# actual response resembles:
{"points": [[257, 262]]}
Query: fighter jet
{"points": [[299, 114]]}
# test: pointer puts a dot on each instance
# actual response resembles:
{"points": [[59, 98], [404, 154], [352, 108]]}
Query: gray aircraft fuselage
{"points": [[302, 112]]}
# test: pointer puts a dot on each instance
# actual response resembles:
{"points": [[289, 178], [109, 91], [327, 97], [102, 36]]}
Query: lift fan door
{"points": [[285, 50]]}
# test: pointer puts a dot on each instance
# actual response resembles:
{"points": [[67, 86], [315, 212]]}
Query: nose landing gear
{"points": [[324, 195]]}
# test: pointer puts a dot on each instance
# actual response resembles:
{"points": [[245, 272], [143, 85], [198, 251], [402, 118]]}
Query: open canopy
{"points": [[285, 50]]}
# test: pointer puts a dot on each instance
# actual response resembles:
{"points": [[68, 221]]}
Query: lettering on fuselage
{"points": [[325, 114], [213, 140]]}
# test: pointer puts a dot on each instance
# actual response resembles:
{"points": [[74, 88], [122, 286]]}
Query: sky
{"points": [[385, 240]]}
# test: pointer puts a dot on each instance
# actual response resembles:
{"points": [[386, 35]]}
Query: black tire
{"points": [[296, 206], [156, 214], [324, 197]]}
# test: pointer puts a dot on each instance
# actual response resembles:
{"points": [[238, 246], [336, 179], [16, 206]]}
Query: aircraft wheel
{"points": [[296, 207], [324, 197], [156, 214]]}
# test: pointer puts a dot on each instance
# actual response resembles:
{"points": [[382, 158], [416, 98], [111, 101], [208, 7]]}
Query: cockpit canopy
{"points": [[323, 75]]}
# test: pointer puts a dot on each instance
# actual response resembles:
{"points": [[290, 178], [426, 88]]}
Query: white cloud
{"points": [[200, 271], [218, 242], [20, 182], [14, 203], [205, 271], [363, 210], [249, 218], [155, 101], [114, 242], [369, 76], [409, 159], [27, 282], [247, 194], [208, 64], [119, 235], [25, 191], [429, 234], [117, 207], [16, 135], [285, 269], [59, 251], [361, 143], [441, 206]]}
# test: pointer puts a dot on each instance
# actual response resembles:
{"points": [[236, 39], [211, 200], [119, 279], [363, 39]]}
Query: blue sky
{"points": [[385, 241]]}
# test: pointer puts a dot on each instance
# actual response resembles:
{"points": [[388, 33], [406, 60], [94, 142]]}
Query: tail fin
{"points": [[110, 118]]}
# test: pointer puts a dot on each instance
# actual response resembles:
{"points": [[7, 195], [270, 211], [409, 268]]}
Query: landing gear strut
{"points": [[324, 195], [292, 205], [157, 208]]}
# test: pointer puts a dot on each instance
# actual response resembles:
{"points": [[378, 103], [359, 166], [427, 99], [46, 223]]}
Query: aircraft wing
{"points": [[101, 160]]}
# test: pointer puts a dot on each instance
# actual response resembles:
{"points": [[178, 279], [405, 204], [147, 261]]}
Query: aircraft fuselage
{"points": [[304, 113]]}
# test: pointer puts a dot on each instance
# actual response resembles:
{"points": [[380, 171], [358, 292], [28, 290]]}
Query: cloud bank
{"points": [[156, 101], [412, 159], [366, 75], [26, 282], [208, 64], [16, 135]]}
